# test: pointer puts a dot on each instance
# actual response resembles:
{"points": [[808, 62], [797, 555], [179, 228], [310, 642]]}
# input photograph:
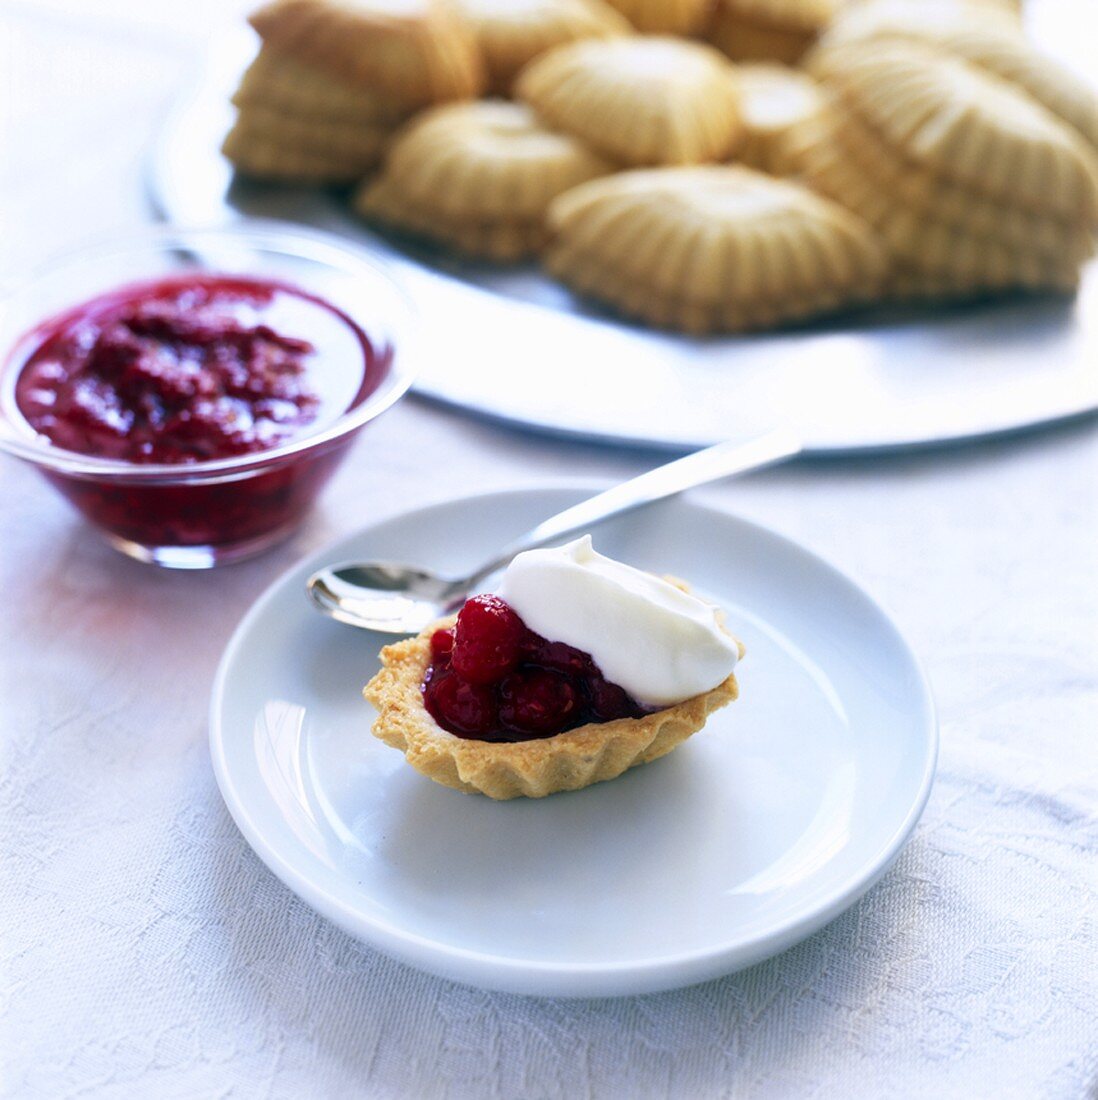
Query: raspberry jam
{"points": [[184, 371], [187, 370], [491, 678]]}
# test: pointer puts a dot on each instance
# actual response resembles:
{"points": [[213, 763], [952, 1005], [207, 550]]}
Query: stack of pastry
{"points": [[477, 177], [639, 100], [711, 249], [769, 30], [335, 78], [980, 32], [511, 33], [973, 185]]}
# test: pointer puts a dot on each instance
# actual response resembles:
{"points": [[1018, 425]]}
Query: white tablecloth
{"points": [[144, 951]]}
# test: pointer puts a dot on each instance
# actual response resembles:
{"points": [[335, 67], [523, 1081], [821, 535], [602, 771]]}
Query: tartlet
{"points": [[973, 185], [711, 249], [535, 768], [639, 100], [477, 177]]}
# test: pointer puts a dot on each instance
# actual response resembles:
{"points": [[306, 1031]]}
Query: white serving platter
{"points": [[511, 344]]}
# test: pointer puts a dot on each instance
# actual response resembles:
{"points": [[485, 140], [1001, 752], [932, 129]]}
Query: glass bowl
{"points": [[197, 515]]}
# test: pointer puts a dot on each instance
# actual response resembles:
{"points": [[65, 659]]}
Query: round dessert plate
{"points": [[753, 834], [511, 344]]}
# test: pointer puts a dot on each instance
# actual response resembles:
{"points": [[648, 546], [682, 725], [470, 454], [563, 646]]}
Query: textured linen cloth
{"points": [[145, 952]]}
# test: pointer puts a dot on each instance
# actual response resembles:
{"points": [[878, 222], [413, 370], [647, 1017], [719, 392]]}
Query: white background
{"points": [[145, 952]]}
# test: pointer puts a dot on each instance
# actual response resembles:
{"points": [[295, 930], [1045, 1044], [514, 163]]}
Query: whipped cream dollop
{"points": [[661, 644]]}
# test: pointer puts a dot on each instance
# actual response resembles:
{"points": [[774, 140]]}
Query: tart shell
{"points": [[531, 769]]}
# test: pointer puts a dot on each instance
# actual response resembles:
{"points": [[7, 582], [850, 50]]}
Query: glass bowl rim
{"points": [[262, 233]]}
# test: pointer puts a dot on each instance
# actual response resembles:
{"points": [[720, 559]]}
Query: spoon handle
{"points": [[699, 468]]}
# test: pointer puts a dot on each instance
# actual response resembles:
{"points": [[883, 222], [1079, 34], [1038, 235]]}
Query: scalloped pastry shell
{"points": [[272, 145], [276, 82], [487, 161], [985, 35], [683, 17], [531, 769], [512, 34], [639, 100], [844, 160], [966, 125], [711, 249], [417, 51]]}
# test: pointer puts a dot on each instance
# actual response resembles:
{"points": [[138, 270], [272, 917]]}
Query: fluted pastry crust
{"points": [[273, 145], [532, 769], [478, 177], [415, 51], [511, 35], [711, 249], [984, 35], [965, 125], [973, 185], [639, 100], [275, 82]]}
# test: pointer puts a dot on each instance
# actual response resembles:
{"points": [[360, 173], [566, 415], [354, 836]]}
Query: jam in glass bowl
{"points": [[191, 391]]}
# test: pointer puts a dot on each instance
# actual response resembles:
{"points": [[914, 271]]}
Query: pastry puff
{"points": [[966, 126], [477, 177], [711, 249], [414, 51], [639, 100], [985, 35], [512, 33]]}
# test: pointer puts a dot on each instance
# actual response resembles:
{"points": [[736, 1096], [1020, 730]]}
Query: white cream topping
{"points": [[661, 644]]}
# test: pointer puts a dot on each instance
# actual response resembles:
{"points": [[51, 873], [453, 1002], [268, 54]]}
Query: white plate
{"points": [[753, 834], [513, 345]]}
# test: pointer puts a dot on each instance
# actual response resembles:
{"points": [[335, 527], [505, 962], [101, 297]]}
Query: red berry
{"points": [[442, 643], [487, 640], [537, 702], [460, 707], [561, 658], [609, 701]]}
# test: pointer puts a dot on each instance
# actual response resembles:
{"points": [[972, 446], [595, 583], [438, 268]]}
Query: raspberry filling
{"points": [[491, 678], [184, 370]]}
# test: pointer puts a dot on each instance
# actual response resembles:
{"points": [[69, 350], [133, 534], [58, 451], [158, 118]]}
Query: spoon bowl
{"points": [[395, 599]]}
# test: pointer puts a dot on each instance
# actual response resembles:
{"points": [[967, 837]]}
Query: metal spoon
{"points": [[402, 599]]}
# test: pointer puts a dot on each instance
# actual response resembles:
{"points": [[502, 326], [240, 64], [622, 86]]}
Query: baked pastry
{"points": [[769, 30], [415, 52], [278, 83], [639, 100], [682, 17], [335, 78], [513, 33], [774, 100], [711, 249], [298, 149], [477, 177], [484, 703], [985, 35], [972, 184]]}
